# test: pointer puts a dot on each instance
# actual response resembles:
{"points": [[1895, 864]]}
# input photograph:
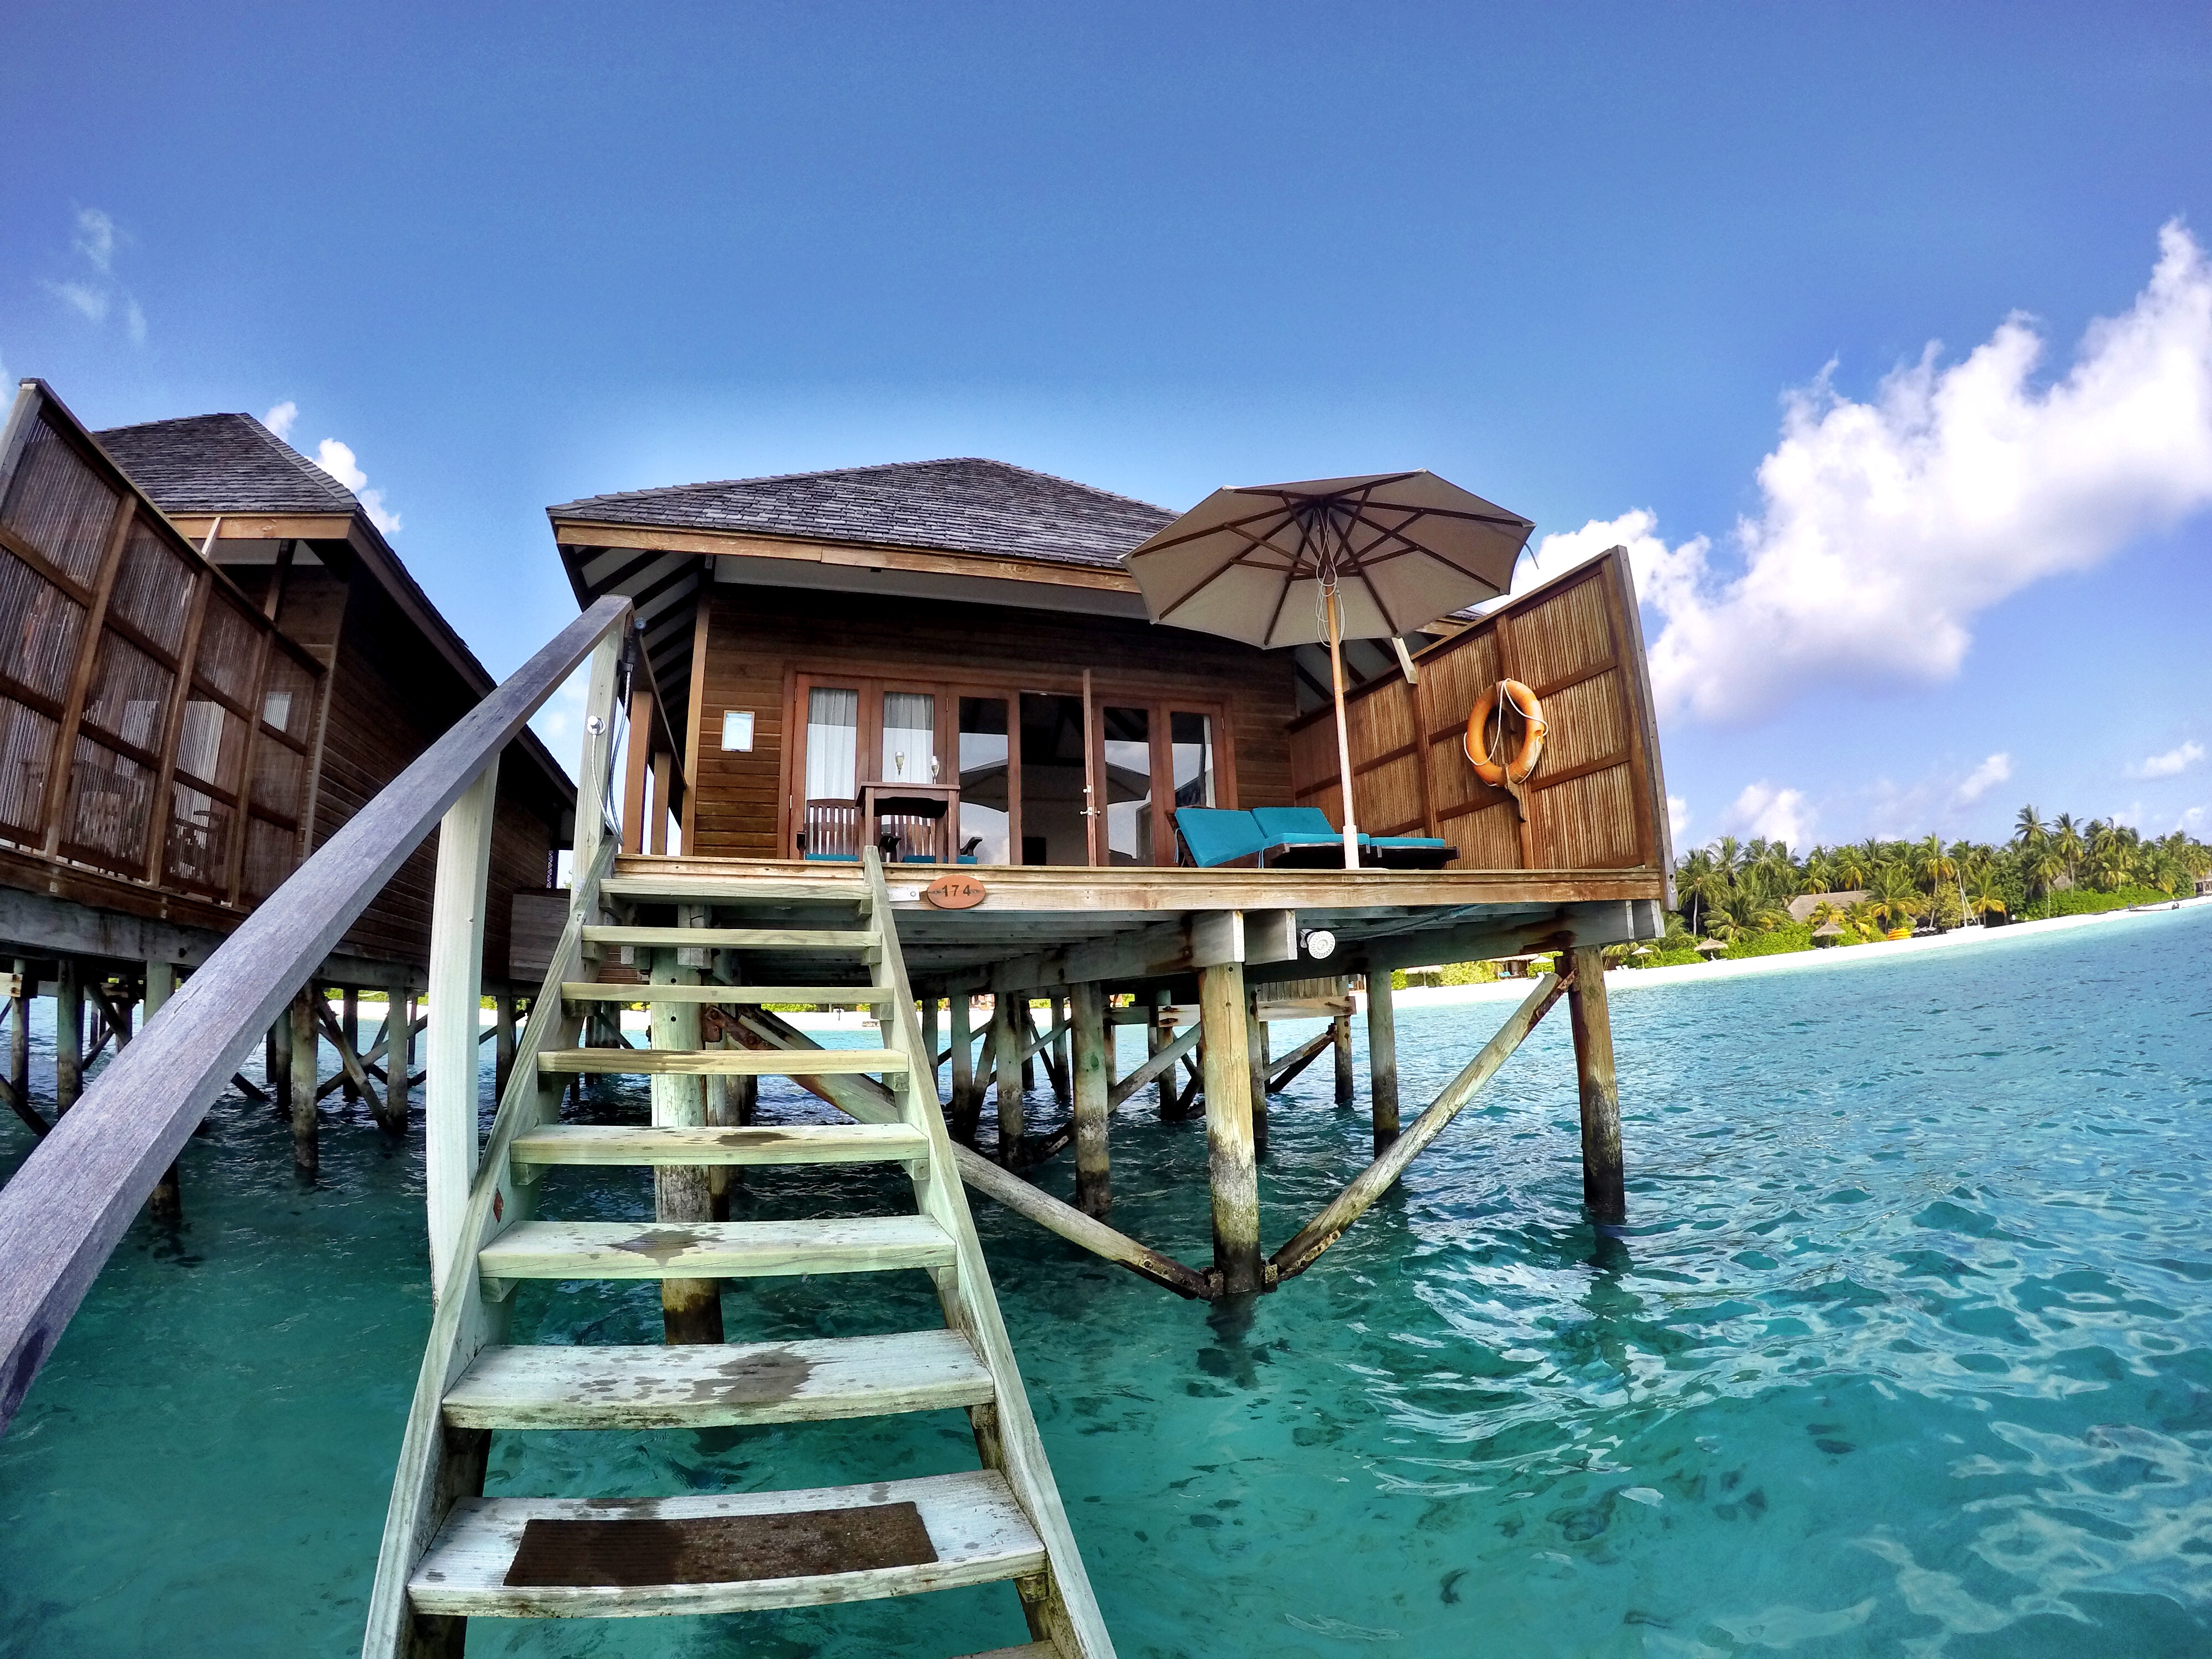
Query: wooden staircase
{"points": [[450, 1554]]}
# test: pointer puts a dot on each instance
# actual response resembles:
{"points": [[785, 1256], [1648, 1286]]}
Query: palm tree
{"points": [[1891, 897], [1728, 855], [2066, 837], [1820, 871], [1931, 865], [1700, 880], [1986, 899], [2027, 830], [1853, 867]]}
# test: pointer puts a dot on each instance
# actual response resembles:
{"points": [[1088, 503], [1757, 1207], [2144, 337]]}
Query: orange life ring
{"points": [[1516, 770]]}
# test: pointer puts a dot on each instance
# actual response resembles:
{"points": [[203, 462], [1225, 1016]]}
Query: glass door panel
{"points": [[829, 826], [1128, 774], [1052, 826], [986, 801], [1191, 759], [909, 746]]}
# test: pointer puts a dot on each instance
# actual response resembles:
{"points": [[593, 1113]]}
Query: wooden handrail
{"points": [[72, 1199]]}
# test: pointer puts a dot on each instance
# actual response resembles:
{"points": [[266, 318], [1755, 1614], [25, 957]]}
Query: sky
{"points": [[1882, 335]]}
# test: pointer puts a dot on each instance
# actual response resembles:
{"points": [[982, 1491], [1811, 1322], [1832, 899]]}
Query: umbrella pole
{"points": [[1343, 743]]}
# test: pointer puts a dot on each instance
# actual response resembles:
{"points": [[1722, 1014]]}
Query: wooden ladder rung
{"points": [[725, 889], [976, 1528], [730, 996], [714, 1249], [648, 1144], [861, 941], [718, 1062], [713, 1385]]}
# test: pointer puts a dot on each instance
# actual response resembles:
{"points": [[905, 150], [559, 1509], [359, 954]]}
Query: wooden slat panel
{"points": [[1561, 636], [1379, 722], [1313, 758], [1589, 721], [1389, 797], [1451, 775], [1487, 840], [1457, 675], [1586, 823]]}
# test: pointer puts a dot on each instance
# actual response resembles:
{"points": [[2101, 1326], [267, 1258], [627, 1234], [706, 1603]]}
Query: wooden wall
{"points": [[1597, 799], [759, 640]]}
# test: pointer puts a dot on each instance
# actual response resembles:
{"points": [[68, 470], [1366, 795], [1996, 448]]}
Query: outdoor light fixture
{"points": [[1318, 943]]}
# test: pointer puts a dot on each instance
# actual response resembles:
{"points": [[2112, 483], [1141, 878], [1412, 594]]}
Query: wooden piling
{"points": [[962, 1112], [503, 1043], [349, 1028], [68, 1035], [690, 1309], [1383, 1058], [399, 1060], [1058, 1063], [1604, 1182], [1006, 1067], [1156, 1037], [166, 1204], [306, 1046], [1092, 1081], [19, 1049], [1256, 1053], [928, 1011], [1339, 1031], [1233, 1168], [276, 1064], [723, 1112]]}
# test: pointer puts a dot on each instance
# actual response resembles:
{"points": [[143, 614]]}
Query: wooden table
{"points": [[897, 797]]}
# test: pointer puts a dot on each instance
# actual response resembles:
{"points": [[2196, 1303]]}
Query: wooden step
{"points": [[718, 1062], [1027, 1650], [977, 1530], [861, 941], [712, 1385], [726, 890], [731, 995], [796, 1143], [714, 1249]]}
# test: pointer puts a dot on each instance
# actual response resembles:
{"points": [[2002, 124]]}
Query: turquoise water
{"points": [[1908, 1350]]}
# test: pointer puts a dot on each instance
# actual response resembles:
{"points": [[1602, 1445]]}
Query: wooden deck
{"points": [[1046, 926]]}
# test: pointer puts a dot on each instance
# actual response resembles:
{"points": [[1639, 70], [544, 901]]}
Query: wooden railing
{"points": [[70, 1201]]}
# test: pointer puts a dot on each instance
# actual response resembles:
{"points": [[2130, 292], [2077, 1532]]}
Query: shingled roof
{"points": [[222, 464], [965, 505]]}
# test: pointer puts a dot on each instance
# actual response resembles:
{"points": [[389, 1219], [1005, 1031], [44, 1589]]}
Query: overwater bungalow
{"points": [[907, 737]]}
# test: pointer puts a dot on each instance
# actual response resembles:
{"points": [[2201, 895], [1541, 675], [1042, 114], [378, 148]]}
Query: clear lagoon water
{"points": [[1907, 1349]]}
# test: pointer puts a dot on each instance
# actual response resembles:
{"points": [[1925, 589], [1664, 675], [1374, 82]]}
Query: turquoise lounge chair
{"points": [[1213, 834], [1305, 834]]}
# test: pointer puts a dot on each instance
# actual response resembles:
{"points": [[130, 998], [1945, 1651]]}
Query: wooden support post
{"points": [[1231, 1168], [1339, 1031], [1382, 1058], [276, 1064], [967, 1099], [690, 1309], [1091, 1081], [450, 1069], [19, 1048], [1063, 1081], [167, 1203], [637, 750], [68, 1035], [1156, 1037], [503, 1043], [664, 765], [306, 1050], [349, 1028], [1255, 1054], [1604, 1188], [1006, 1066]]}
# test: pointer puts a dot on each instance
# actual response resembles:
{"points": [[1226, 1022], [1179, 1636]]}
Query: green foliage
{"points": [[1452, 973], [2086, 902], [1774, 942]]}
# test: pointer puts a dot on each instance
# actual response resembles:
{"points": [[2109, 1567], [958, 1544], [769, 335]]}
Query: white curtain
{"points": [[833, 738], [909, 737]]}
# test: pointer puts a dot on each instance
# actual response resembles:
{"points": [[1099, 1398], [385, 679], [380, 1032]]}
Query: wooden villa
{"points": [[212, 661]]}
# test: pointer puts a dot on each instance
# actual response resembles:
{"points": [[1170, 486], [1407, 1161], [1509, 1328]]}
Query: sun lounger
{"points": [[1213, 835], [1300, 838]]}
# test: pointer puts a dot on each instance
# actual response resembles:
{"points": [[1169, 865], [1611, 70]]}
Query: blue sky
{"points": [[1592, 262]]}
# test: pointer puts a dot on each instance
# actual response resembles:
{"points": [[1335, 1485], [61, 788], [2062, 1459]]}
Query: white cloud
{"points": [[336, 459], [88, 302], [95, 238], [1886, 527], [1782, 815], [279, 419], [1983, 779], [1678, 817], [2173, 761], [134, 320]]}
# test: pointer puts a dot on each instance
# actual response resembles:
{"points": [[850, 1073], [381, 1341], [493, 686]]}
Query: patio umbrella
{"points": [[1334, 559]]}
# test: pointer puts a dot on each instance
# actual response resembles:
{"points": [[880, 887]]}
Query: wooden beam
{"points": [[1287, 1069], [690, 1309], [306, 1051], [450, 1070], [1160, 1063], [1348, 1206], [1093, 1182]]}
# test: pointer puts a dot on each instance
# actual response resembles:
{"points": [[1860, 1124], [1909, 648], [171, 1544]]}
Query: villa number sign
{"points": [[955, 892]]}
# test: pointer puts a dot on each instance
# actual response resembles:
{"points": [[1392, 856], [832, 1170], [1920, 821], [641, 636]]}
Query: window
{"points": [[1128, 770], [833, 738], [1191, 758], [985, 807], [910, 752], [737, 730]]}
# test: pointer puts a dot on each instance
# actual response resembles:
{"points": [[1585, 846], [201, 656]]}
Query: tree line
{"points": [[1731, 889]]}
